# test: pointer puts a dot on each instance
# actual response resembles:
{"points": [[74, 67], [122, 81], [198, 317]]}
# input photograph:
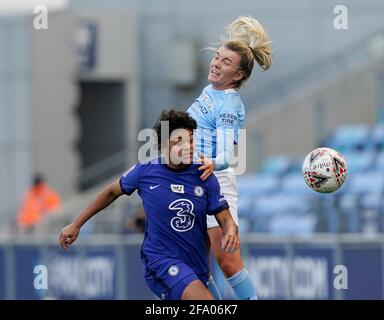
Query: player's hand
{"points": [[231, 242], [68, 235], [208, 166]]}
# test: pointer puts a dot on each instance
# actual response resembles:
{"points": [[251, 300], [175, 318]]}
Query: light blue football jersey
{"points": [[219, 115]]}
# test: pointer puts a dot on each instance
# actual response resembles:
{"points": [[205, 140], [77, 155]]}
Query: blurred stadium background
{"points": [[74, 97]]}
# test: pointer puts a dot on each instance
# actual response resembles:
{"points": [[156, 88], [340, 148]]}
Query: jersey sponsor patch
{"points": [[177, 188], [227, 119], [185, 217], [199, 107]]}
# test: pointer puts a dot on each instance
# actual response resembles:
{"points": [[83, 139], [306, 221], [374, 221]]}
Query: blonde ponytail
{"points": [[247, 37], [251, 33]]}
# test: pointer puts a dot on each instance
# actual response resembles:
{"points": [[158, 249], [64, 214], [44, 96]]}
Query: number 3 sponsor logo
{"points": [[185, 218]]}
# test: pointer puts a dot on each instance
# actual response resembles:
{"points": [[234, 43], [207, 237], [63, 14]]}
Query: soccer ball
{"points": [[324, 170]]}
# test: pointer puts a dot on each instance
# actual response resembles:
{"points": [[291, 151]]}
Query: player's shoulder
{"points": [[230, 101], [194, 168], [194, 173], [142, 166], [232, 98], [209, 184], [211, 181]]}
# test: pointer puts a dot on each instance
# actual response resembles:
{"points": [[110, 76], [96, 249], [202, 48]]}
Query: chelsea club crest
{"points": [[199, 191]]}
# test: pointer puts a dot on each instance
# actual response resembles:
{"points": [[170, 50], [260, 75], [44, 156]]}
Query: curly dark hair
{"points": [[176, 120]]}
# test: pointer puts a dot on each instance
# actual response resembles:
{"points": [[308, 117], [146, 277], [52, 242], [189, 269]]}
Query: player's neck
{"points": [[176, 166], [223, 86]]}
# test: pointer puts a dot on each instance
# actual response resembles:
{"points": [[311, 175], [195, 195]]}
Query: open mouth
{"points": [[215, 73]]}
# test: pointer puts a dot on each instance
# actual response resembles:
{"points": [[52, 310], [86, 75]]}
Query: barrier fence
{"points": [[109, 267]]}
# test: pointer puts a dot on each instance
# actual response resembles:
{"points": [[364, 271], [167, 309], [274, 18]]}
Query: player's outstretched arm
{"points": [[230, 241], [109, 194]]}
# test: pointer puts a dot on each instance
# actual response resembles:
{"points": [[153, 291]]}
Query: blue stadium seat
{"points": [[379, 165], [276, 166], [328, 212], [363, 183], [256, 185], [372, 201], [260, 224], [359, 161], [296, 166], [281, 202], [251, 187], [377, 137], [265, 208], [245, 205], [293, 224], [245, 224], [370, 221], [350, 138], [350, 207], [293, 183], [348, 201], [299, 203], [268, 205], [244, 185]]}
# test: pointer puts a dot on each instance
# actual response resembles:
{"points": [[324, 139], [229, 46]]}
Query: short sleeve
{"points": [[216, 200], [129, 181]]}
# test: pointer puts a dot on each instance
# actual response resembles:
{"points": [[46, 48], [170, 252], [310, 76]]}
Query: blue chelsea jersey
{"points": [[217, 112], [176, 203]]}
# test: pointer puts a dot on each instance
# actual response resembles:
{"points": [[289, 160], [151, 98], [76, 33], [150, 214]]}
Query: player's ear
{"points": [[238, 76]]}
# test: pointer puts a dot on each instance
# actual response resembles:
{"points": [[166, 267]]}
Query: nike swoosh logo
{"points": [[153, 187]]}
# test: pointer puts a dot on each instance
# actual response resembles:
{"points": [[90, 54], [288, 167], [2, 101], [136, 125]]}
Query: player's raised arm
{"points": [[109, 194], [230, 241]]}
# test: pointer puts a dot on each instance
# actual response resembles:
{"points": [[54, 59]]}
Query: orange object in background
{"points": [[38, 201]]}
